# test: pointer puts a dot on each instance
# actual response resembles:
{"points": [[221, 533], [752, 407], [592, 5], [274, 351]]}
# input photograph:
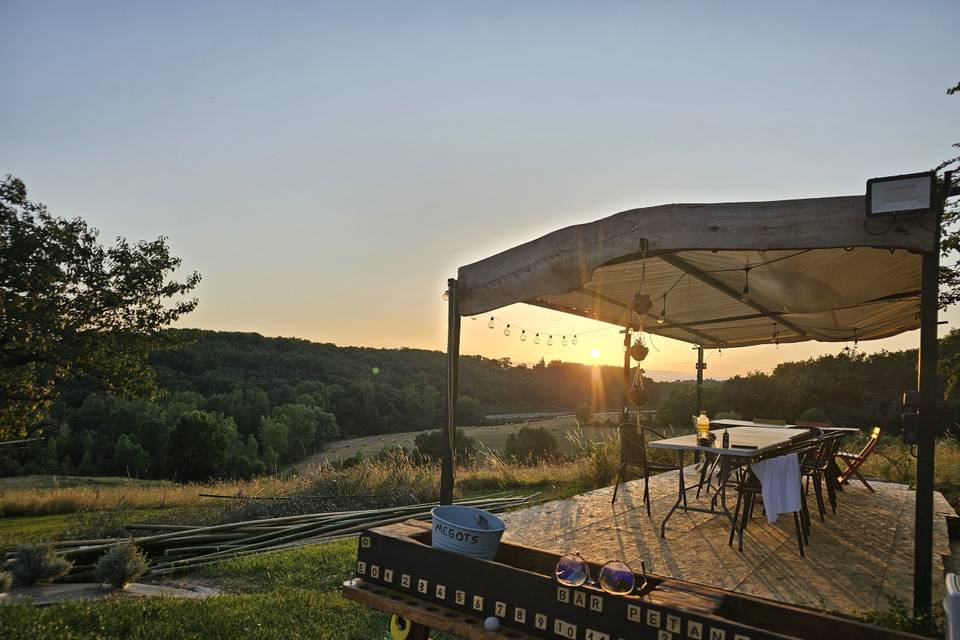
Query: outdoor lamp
{"points": [[911, 193]]}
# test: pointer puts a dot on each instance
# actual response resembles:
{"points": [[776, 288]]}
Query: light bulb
{"points": [[662, 317], [523, 335], [536, 339], [574, 340], [550, 341], [446, 295], [506, 331], [564, 341], [490, 324]]}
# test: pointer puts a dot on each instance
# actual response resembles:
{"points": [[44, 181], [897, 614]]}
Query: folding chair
{"points": [[855, 460], [633, 453]]}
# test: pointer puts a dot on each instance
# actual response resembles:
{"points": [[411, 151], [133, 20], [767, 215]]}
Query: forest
{"points": [[240, 404]]}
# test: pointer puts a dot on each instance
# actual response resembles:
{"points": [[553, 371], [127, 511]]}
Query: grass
{"points": [[294, 594]]}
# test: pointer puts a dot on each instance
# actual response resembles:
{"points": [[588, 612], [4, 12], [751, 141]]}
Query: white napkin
{"points": [[780, 480]]}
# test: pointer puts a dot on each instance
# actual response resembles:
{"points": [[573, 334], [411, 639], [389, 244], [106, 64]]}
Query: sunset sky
{"points": [[326, 166]]}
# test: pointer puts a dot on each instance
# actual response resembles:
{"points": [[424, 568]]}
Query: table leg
{"points": [[681, 495]]}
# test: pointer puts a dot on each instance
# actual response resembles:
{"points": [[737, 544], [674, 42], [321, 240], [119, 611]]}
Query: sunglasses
{"points": [[615, 577]]}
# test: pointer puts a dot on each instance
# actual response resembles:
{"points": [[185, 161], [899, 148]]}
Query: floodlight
{"points": [[911, 193]]}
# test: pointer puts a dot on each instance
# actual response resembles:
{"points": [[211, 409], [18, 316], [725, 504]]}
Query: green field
{"points": [[493, 437]]}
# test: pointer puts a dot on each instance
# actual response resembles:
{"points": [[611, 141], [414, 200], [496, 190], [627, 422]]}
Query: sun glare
{"points": [[595, 353]]}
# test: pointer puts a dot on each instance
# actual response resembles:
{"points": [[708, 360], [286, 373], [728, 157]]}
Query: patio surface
{"points": [[855, 561]]}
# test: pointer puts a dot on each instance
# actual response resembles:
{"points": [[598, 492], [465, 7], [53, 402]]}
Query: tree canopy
{"points": [[70, 307]]}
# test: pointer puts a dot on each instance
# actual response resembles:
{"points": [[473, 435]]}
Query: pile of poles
{"points": [[174, 547]]}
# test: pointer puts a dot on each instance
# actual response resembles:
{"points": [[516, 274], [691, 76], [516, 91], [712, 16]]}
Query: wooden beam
{"points": [[709, 280], [670, 324]]}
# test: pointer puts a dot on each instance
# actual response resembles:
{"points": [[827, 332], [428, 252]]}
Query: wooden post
{"points": [[453, 375], [927, 388], [701, 365], [625, 397]]}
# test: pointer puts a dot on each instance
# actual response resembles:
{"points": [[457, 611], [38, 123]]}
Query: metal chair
{"points": [[814, 468], [749, 487], [633, 453]]}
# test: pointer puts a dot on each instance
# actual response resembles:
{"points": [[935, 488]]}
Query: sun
{"points": [[595, 353]]}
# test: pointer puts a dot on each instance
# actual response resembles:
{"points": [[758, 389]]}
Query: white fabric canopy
{"points": [[818, 270]]}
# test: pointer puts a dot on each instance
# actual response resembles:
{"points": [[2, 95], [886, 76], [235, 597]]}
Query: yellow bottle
{"points": [[703, 425]]}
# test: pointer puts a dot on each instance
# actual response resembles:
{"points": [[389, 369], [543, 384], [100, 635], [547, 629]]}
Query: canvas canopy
{"points": [[813, 269]]}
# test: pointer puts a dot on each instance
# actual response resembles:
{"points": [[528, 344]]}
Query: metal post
{"points": [[453, 375], [927, 388], [701, 365], [625, 398]]}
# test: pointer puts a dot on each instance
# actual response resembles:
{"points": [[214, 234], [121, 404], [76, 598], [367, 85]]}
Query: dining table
{"points": [[747, 444]]}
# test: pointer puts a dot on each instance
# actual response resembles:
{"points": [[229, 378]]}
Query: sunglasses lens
{"points": [[616, 577], [571, 570]]}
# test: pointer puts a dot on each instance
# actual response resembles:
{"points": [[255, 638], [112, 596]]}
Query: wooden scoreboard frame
{"points": [[398, 571]]}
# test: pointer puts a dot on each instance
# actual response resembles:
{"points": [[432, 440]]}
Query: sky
{"points": [[327, 166]]}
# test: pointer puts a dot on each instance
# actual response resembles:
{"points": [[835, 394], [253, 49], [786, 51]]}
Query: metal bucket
{"points": [[466, 530]]}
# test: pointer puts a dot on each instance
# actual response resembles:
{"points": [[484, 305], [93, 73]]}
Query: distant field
{"points": [[492, 437]]}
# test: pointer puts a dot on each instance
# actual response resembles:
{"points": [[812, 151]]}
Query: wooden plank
{"points": [[429, 614]]}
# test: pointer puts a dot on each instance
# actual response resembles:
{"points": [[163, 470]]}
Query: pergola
{"points": [[732, 275]]}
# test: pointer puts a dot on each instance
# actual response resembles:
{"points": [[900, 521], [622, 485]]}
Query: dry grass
{"points": [[46, 497], [394, 480]]}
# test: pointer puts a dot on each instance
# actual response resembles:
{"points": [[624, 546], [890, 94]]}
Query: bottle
{"points": [[726, 439], [703, 426]]}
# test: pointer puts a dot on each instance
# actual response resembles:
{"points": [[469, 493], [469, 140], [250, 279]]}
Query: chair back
{"points": [[633, 445], [871, 443], [854, 462], [633, 442], [826, 447]]}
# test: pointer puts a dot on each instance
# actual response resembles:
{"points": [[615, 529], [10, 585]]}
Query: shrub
{"points": [[38, 563], [813, 414], [584, 414], [6, 581], [121, 565], [431, 444], [531, 444]]}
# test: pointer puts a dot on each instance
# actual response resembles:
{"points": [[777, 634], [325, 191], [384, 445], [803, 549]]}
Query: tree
{"points": [[531, 444], [430, 445], [584, 414], [197, 446], [950, 229], [130, 456], [71, 307], [274, 434]]}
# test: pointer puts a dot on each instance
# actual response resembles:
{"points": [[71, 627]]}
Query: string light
{"points": [[663, 311], [536, 339], [490, 324], [776, 336], [550, 340], [564, 341], [574, 340], [523, 335], [445, 296], [506, 331]]}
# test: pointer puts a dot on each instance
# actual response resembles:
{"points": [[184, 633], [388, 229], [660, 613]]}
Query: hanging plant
{"points": [[638, 395], [639, 351]]}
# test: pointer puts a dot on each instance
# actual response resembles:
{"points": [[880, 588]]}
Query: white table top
{"points": [[761, 438], [730, 422]]}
